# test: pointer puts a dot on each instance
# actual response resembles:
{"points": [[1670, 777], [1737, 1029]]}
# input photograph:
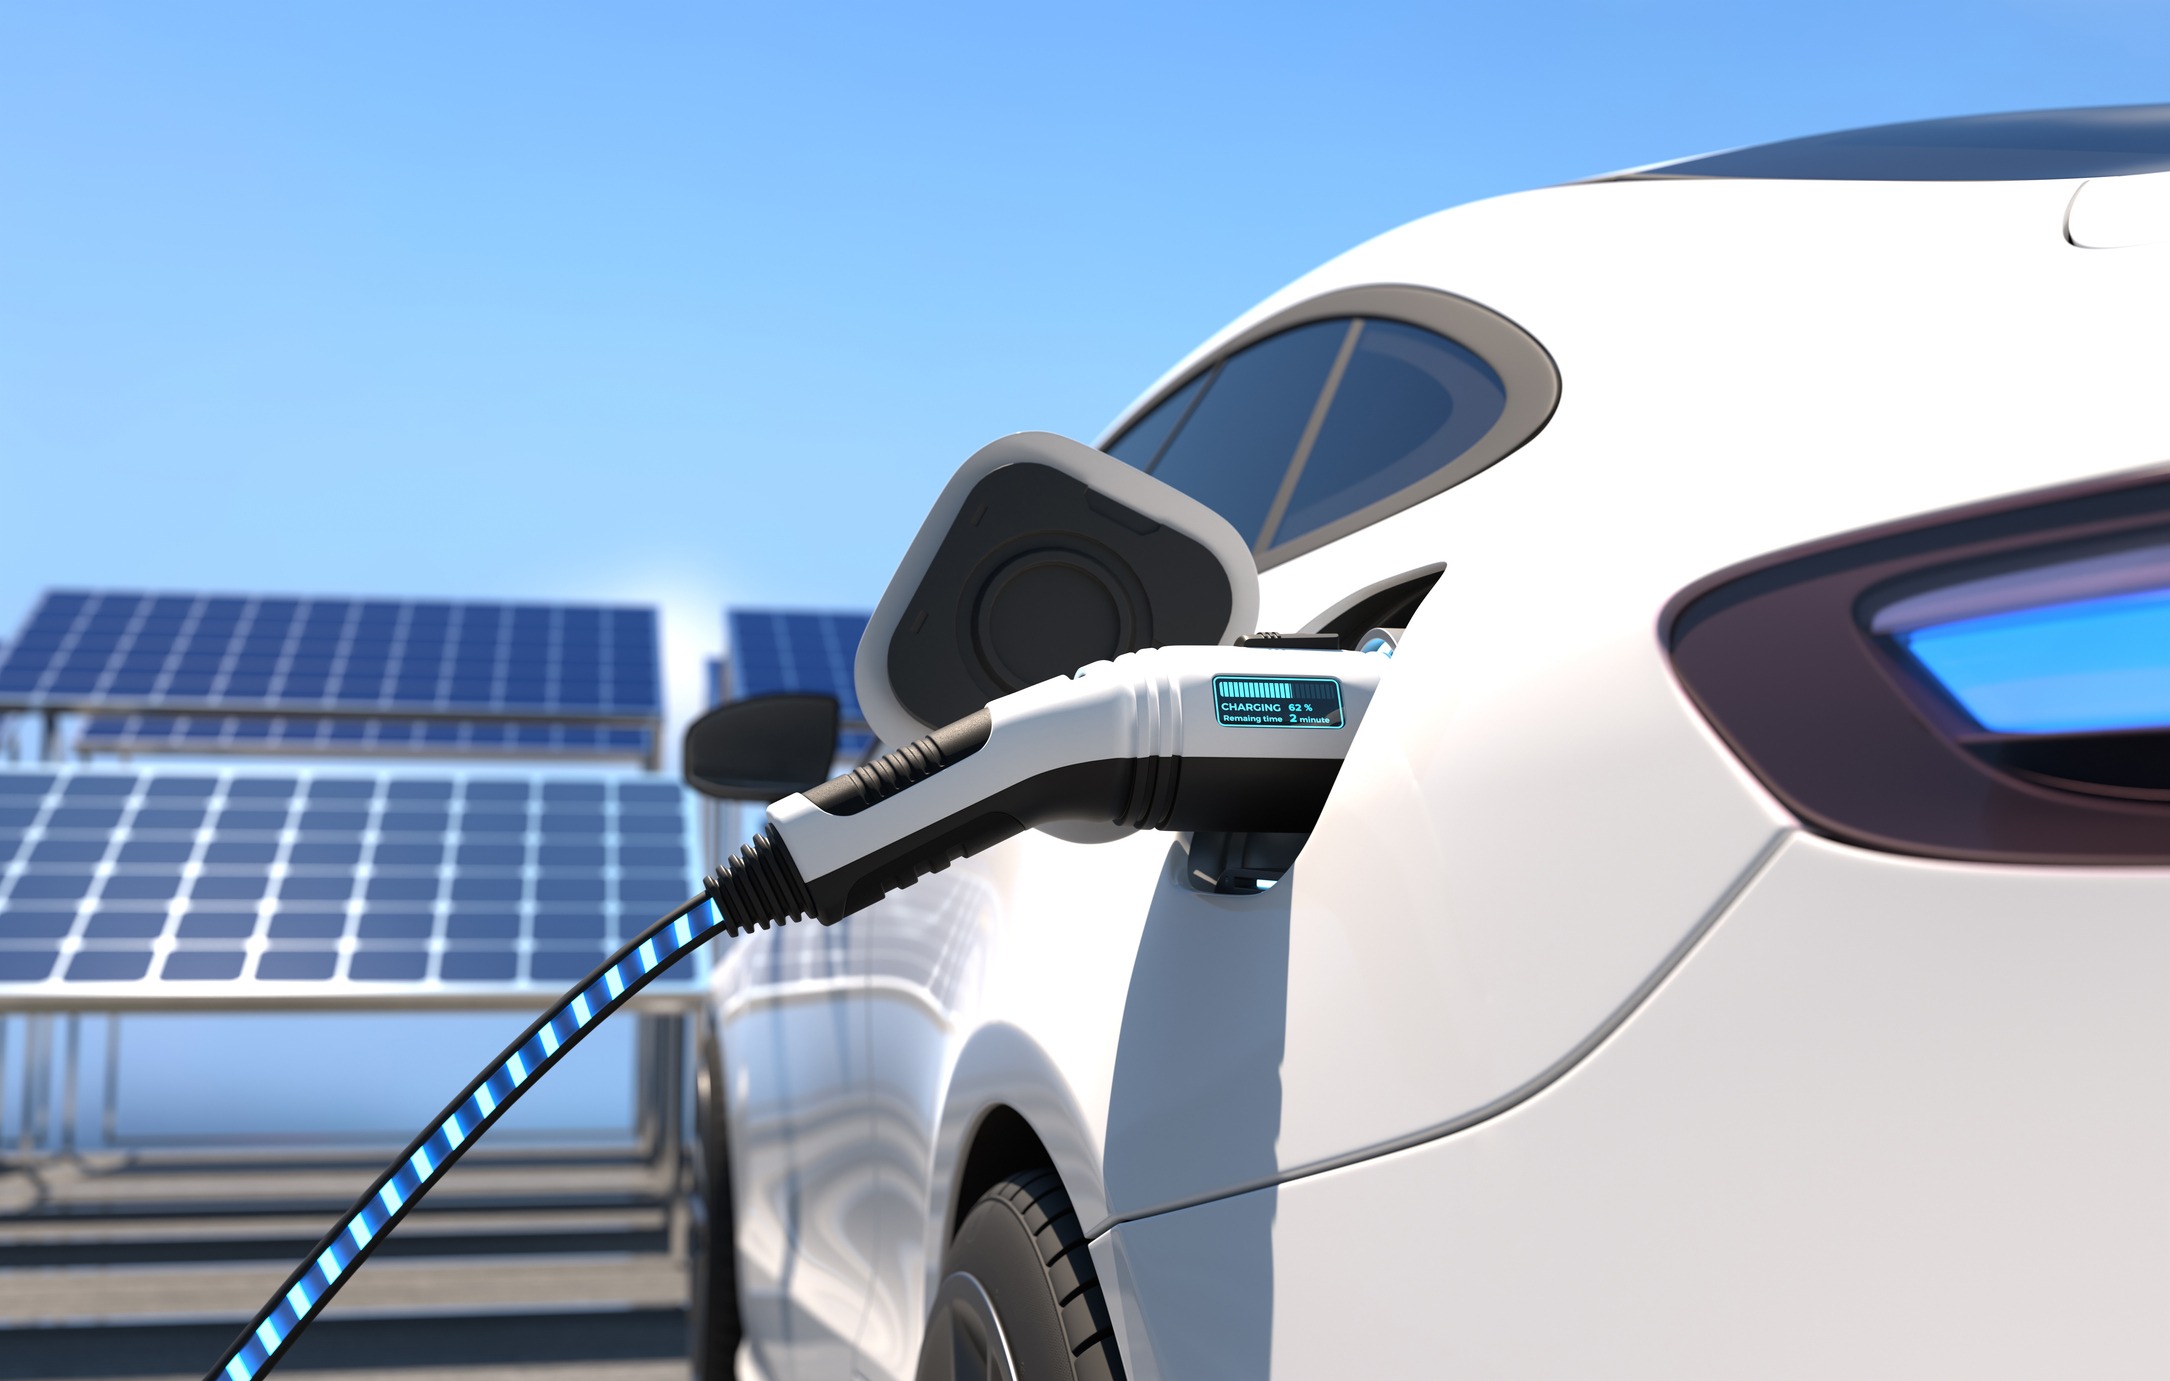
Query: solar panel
{"points": [[287, 735], [120, 650], [791, 650], [235, 886]]}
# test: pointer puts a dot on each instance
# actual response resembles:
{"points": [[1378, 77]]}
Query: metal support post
{"points": [[645, 1118], [671, 1062], [109, 1111], [71, 1076], [45, 1083], [37, 1061]]}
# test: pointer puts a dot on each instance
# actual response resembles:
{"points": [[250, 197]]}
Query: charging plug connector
{"points": [[1227, 739]]}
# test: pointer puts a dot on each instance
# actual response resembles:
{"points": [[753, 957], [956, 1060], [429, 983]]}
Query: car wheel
{"points": [[715, 1321], [1019, 1299]]}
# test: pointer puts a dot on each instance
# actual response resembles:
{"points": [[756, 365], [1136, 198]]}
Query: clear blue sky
{"points": [[700, 303]]}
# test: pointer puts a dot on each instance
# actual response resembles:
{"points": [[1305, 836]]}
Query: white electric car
{"points": [[1737, 943]]}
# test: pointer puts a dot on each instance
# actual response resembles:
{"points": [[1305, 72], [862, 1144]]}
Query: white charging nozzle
{"points": [[1178, 738]]}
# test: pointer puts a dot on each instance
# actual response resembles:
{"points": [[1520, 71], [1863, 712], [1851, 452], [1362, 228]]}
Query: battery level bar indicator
{"points": [[1310, 703]]}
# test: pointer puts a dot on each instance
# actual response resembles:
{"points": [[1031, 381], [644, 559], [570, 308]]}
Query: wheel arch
{"points": [[1003, 1144], [1008, 1108]]}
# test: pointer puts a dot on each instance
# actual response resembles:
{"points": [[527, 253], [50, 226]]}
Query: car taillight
{"points": [[1989, 683], [2061, 668], [2080, 645]]}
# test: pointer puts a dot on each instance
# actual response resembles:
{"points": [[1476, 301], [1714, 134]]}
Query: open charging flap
{"points": [[1043, 555]]}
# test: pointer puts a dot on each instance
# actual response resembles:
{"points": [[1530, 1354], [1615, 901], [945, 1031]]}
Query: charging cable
{"points": [[1236, 739]]}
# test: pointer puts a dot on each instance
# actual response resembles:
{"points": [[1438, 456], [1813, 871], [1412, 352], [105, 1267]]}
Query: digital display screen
{"points": [[1311, 703]]}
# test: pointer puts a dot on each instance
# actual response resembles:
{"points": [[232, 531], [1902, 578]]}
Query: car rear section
{"points": [[1739, 938]]}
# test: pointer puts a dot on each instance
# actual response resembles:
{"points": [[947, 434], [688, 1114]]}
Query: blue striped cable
{"points": [[334, 1260]]}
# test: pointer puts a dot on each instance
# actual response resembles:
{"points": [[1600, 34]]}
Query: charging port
{"points": [[1240, 865]]}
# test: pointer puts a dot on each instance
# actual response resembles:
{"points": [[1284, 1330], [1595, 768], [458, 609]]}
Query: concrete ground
{"points": [[529, 1265]]}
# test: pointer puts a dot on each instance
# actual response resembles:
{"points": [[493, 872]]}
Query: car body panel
{"points": [[1532, 827], [797, 1120], [1893, 1117]]}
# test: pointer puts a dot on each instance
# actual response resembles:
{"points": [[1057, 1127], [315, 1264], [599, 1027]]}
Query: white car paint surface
{"points": [[1563, 1050], [1893, 1118]]}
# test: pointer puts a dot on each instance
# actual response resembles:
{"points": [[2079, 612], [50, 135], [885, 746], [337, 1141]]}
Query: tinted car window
{"points": [[1232, 450], [1400, 404], [1408, 402], [1143, 443]]}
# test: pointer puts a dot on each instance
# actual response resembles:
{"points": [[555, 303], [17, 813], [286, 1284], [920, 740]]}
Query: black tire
{"points": [[1019, 1299], [714, 1321]]}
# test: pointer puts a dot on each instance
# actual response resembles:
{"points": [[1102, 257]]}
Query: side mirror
{"points": [[763, 748]]}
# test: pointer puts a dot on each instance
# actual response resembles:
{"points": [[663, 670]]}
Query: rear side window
{"points": [[1407, 403], [1243, 421], [1304, 434]]}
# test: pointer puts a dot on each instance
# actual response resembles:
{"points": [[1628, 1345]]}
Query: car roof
{"points": [[2101, 141]]}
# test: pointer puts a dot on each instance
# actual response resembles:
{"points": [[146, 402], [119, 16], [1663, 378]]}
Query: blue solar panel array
{"points": [[785, 650], [315, 883], [325, 734], [122, 650]]}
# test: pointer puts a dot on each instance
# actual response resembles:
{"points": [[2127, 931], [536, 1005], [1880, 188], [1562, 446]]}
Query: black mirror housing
{"points": [[763, 748]]}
